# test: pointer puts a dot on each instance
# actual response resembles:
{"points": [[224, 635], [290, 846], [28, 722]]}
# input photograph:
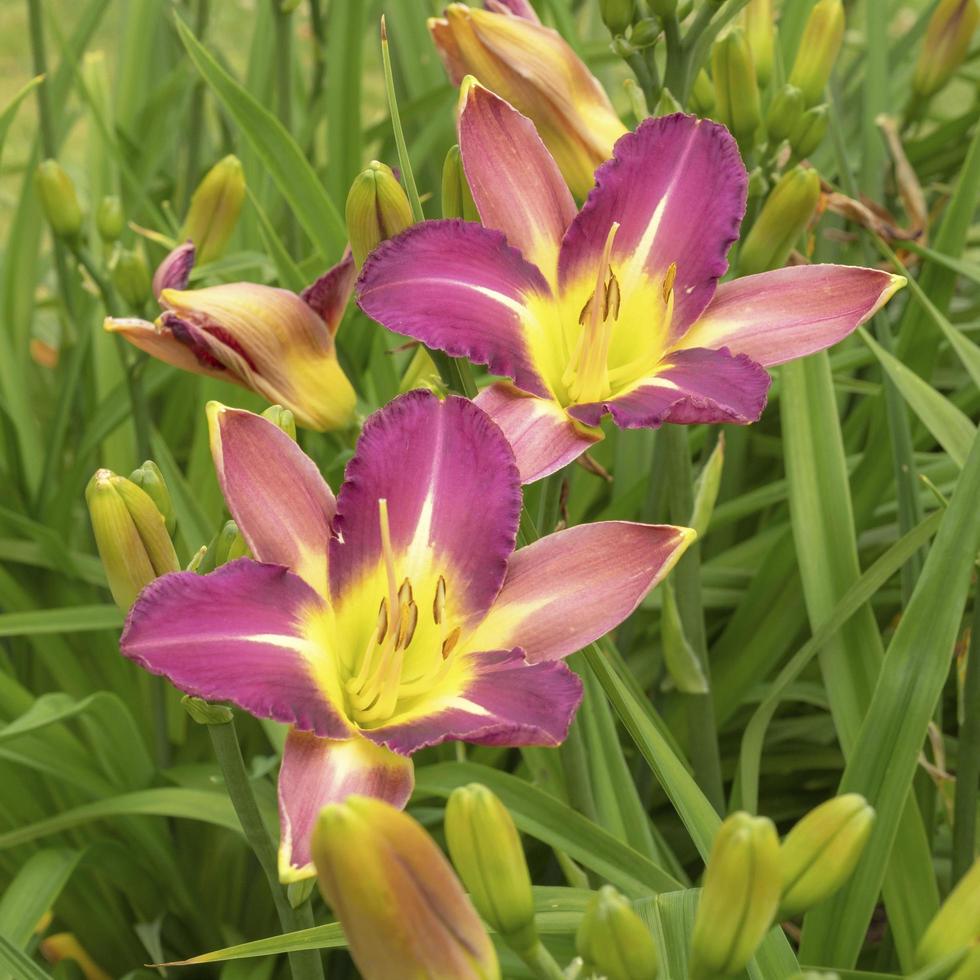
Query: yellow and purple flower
{"points": [[396, 615], [615, 308]]}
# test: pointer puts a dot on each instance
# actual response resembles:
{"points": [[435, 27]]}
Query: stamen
{"points": [[439, 602], [387, 551], [406, 628], [668, 283], [450, 642]]}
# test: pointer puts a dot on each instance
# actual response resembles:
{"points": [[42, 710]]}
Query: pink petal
{"points": [[505, 702], [317, 771], [457, 287], [282, 505], [677, 188], [777, 316], [571, 587], [328, 296], [519, 8], [542, 434], [515, 181], [451, 485], [241, 634], [174, 272], [690, 386]]}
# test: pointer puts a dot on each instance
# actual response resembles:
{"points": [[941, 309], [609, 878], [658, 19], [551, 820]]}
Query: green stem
{"points": [[675, 70], [968, 759], [195, 118], [550, 501], [702, 729], [541, 963], [575, 765], [282, 21], [305, 964]]}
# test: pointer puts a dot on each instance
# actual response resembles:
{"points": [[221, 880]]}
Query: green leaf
{"points": [[33, 892], [14, 962], [10, 111], [78, 619]]}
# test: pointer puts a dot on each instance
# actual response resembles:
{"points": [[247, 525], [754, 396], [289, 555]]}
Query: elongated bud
{"points": [[215, 207], [760, 32], [781, 222], [149, 479], [130, 533], [956, 924], [739, 897], [818, 50], [174, 272], [110, 219], [403, 910], [282, 418], [486, 850], [227, 545], [131, 277], [377, 209], [617, 15], [645, 32], [702, 99], [614, 941], [809, 131], [58, 199], [821, 851], [784, 113], [457, 200], [946, 43], [736, 88]]}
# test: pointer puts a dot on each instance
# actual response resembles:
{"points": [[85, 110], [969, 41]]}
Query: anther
{"points": [[439, 602], [450, 642], [668, 284], [406, 628]]}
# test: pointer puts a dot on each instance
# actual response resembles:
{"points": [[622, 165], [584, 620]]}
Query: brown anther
{"points": [[382, 621], [586, 313], [668, 285], [450, 642], [405, 592], [439, 602], [406, 627], [611, 306]]}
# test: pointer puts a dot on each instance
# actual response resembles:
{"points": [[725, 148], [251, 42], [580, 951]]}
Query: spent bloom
{"points": [[615, 308], [395, 615]]}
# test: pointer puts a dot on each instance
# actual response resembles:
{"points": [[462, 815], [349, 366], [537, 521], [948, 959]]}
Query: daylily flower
{"points": [[271, 340], [616, 308], [508, 49], [396, 615]]}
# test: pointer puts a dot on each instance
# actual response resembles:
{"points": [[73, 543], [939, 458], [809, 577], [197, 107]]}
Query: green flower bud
{"points": [[781, 222], [131, 277], [667, 104], [282, 418], [457, 200], [149, 479], [377, 209], [614, 941], [820, 852], [58, 199], [110, 220], [739, 897], [784, 113], [947, 41], [130, 533], [617, 15], [215, 207], [758, 183], [205, 713], [702, 99], [486, 850], [956, 924], [809, 131], [818, 50], [736, 89], [760, 32], [227, 545], [645, 32]]}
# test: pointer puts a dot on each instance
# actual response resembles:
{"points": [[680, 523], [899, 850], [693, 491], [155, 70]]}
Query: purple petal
{"points": [[777, 316], [174, 272], [542, 434], [515, 181], [677, 188], [317, 771], [460, 288], [506, 701], [245, 634], [573, 586], [453, 494], [690, 386], [519, 8], [328, 296], [282, 505]]}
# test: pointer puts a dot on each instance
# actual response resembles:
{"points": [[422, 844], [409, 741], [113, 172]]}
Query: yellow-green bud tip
{"points": [[377, 209], [613, 940], [59, 201]]}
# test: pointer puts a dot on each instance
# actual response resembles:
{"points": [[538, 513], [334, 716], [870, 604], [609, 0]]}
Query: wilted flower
{"points": [[616, 308], [396, 615], [532, 67]]}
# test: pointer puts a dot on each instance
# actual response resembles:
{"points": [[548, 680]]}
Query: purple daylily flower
{"points": [[615, 308], [396, 615]]}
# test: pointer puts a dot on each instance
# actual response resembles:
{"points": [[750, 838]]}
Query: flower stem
{"points": [[968, 758], [304, 964], [541, 963]]}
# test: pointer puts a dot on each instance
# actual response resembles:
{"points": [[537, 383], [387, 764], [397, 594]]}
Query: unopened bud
{"points": [[486, 850], [614, 941], [110, 220], [956, 924], [457, 199], [149, 479], [781, 222], [947, 41], [377, 209], [617, 15], [205, 713], [736, 88], [818, 50], [702, 99], [227, 545], [130, 533], [739, 898], [645, 32], [215, 207], [760, 32], [821, 851], [784, 113], [131, 277], [174, 272], [282, 418], [58, 199]]}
